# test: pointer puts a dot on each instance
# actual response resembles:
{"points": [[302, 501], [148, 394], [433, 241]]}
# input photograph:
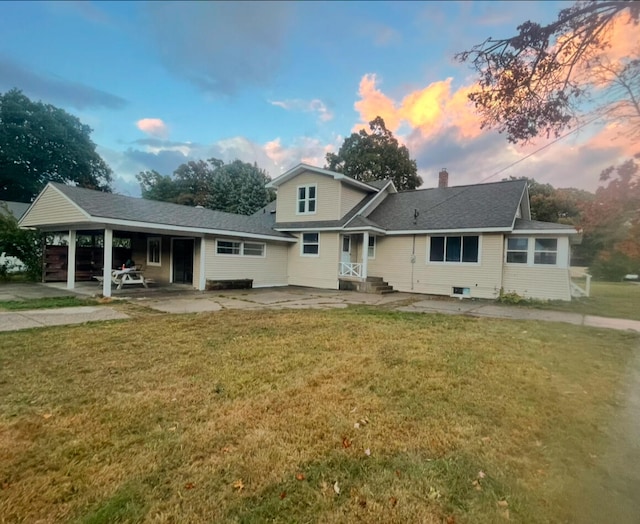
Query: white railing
{"points": [[348, 269], [577, 291]]}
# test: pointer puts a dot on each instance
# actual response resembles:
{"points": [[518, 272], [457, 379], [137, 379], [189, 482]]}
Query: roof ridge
{"points": [[478, 184]]}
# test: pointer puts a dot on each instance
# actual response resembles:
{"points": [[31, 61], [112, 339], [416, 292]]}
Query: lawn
{"points": [[46, 303], [608, 299], [356, 415]]}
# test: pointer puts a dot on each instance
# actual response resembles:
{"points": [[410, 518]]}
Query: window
{"points": [[253, 249], [517, 250], [154, 245], [371, 252], [310, 244], [546, 251], [307, 196], [454, 249], [240, 248], [228, 247]]}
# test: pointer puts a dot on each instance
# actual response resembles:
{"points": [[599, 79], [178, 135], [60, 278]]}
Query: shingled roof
{"points": [[480, 206], [111, 206]]}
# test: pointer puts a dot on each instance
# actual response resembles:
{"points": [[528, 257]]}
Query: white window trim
{"points": [[555, 251], [531, 251], [375, 244], [302, 253], [507, 251], [159, 262], [456, 264], [306, 201], [241, 254]]}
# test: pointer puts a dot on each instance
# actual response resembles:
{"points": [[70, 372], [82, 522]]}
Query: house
{"points": [[327, 230]]}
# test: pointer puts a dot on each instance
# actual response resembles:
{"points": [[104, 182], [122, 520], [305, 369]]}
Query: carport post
{"points": [[108, 262], [365, 254], [202, 280], [71, 260]]}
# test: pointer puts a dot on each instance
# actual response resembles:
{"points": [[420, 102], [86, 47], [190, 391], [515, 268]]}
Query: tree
{"points": [[26, 244], [238, 187], [550, 204], [375, 156], [155, 186], [611, 223], [41, 143], [533, 83]]}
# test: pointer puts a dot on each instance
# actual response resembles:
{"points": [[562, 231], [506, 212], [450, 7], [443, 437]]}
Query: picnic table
{"points": [[125, 277]]}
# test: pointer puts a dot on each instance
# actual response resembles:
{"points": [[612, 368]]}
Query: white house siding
{"points": [[316, 271], [327, 199], [393, 263], [540, 281], [545, 283], [267, 271], [52, 208], [349, 198], [161, 273]]}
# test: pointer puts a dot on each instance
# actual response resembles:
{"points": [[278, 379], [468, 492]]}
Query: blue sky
{"points": [[278, 83]]}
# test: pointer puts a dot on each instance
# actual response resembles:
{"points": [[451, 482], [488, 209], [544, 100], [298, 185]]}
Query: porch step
{"points": [[379, 286]]}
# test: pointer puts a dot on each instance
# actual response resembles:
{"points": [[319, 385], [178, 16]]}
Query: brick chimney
{"points": [[443, 178]]}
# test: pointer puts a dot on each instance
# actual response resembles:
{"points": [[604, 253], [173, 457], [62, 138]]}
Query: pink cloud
{"points": [[153, 126]]}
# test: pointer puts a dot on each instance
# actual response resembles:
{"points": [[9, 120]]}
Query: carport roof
{"points": [[108, 206]]}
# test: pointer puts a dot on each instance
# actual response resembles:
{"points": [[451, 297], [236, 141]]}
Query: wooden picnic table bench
{"points": [[125, 277]]}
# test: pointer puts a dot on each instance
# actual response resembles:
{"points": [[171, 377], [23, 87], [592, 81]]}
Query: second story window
{"points": [[307, 199]]}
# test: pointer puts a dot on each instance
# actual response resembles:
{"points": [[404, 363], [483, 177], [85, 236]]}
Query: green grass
{"points": [[608, 299], [44, 303], [250, 416]]}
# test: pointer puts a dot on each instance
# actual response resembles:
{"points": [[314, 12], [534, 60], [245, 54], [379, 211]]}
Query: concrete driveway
{"points": [[183, 299]]}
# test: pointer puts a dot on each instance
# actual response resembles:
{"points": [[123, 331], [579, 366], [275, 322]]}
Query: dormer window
{"points": [[307, 199]]}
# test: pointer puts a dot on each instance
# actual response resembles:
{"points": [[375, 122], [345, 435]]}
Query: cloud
{"points": [[380, 34], [153, 126], [430, 109], [307, 106], [53, 89], [221, 47]]}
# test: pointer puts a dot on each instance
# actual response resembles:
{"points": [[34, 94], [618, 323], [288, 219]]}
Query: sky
{"points": [[280, 83]]}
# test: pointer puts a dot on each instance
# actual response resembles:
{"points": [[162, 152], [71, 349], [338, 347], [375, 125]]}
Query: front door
{"points": [[183, 260], [346, 249]]}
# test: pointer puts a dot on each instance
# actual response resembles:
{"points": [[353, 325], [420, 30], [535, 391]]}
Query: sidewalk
{"points": [[301, 299], [519, 313]]}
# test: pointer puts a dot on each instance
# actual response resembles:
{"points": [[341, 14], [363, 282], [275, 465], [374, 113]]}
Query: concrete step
{"points": [[386, 291], [374, 279]]}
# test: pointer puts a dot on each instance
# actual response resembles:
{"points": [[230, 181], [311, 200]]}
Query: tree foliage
{"points": [[611, 222], [26, 244], [375, 156], [40, 143], [550, 204], [533, 83], [238, 187]]}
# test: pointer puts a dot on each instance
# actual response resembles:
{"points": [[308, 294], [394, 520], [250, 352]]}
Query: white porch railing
{"points": [[348, 269], [577, 291]]}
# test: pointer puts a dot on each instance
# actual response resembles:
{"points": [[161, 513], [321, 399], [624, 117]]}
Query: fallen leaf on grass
{"points": [[356, 425], [503, 503], [346, 443], [189, 485], [362, 503], [47, 415], [226, 450], [336, 488], [300, 476], [283, 495], [398, 473], [451, 519], [433, 493], [476, 485], [367, 452], [393, 502], [481, 474], [238, 484]]}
